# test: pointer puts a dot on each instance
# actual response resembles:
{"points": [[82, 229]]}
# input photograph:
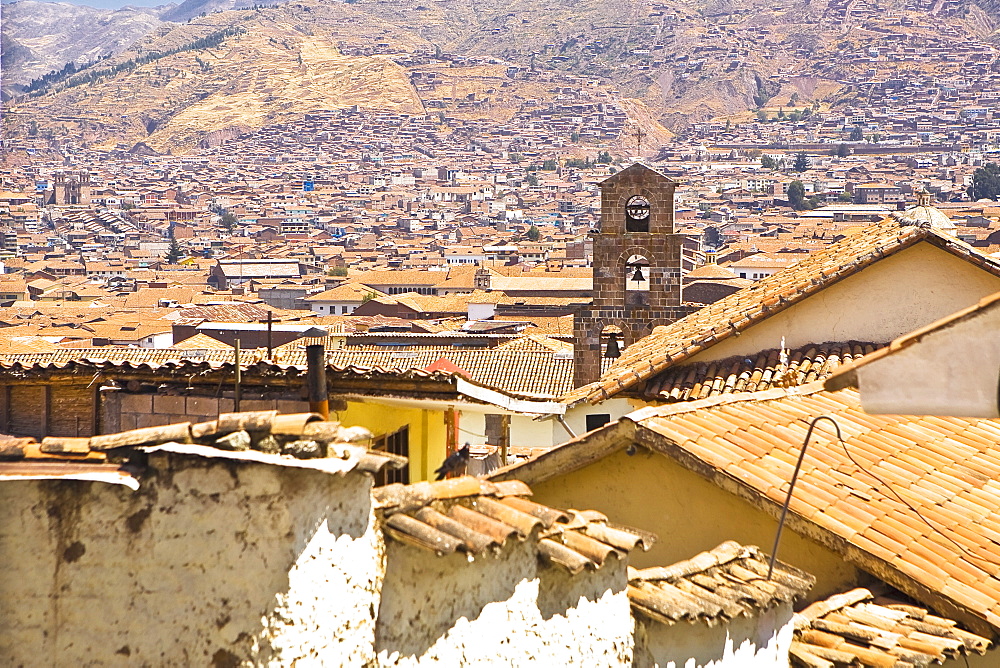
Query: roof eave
{"points": [[851, 553], [930, 235]]}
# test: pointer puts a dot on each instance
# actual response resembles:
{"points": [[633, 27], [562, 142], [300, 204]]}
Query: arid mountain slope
{"points": [[260, 67], [39, 37], [679, 61]]}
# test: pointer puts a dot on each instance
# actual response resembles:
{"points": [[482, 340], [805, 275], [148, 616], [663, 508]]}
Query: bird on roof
{"points": [[454, 463]]}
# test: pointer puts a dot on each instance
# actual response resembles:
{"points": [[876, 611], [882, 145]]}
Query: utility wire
{"points": [[887, 486]]}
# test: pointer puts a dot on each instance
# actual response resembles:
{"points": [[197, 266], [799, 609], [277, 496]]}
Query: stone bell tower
{"points": [[637, 268]]}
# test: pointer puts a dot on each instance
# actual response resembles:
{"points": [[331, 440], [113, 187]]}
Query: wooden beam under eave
{"points": [[572, 455]]}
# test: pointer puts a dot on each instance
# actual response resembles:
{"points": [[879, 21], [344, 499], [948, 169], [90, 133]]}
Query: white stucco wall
{"points": [[576, 417], [892, 297], [950, 371], [759, 642], [500, 610], [209, 563]]}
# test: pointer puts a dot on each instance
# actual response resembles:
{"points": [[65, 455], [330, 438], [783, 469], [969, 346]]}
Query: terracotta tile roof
{"points": [[721, 584], [153, 357], [945, 468], [539, 372], [474, 516], [857, 628], [761, 371], [670, 344], [201, 341], [262, 436]]}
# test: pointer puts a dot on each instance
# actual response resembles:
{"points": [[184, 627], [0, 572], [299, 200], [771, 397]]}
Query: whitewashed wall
{"points": [[500, 610], [209, 563], [757, 642]]}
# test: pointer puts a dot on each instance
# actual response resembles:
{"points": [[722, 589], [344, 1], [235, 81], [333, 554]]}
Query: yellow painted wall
{"points": [[428, 436], [892, 297], [688, 513]]}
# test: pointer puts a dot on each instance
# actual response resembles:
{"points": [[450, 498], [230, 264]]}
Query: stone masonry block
{"points": [[257, 405], [136, 403], [151, 420], [202, 408], [168, 404], [287, 406]]}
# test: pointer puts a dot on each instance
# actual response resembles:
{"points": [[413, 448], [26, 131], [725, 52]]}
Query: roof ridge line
{"points": [[678, 408]]}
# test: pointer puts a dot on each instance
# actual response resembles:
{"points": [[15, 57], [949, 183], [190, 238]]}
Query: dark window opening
{"points": [[396, 443], [597, 420], [497, 430], [637, 214]]}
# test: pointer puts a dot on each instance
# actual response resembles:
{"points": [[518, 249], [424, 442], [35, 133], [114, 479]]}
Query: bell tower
{"points": [[637, 269]]}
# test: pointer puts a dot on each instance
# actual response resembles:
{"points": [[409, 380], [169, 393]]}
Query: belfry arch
{"points": [[637, 267]]}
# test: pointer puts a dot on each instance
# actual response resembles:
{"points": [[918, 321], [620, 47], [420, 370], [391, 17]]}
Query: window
{"points": [[637, 214], [396, 443], [597, 420], [497, 429]]}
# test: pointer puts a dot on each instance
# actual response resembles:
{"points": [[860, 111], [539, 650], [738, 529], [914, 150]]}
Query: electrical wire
{"points": [[886, 485], [916, 512]]}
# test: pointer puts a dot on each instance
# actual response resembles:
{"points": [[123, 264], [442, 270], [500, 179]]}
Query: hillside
{"points": [[268, 66], [38, 37], [672, 63]]}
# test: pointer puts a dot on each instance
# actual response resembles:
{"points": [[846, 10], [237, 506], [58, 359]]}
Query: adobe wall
{"points": [[744, 642], [210, 562], [506, 607], [689, 514]]}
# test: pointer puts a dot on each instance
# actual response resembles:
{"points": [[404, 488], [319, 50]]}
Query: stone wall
{"points": [[123, 410], [507, 608], [634, 312], [210, 562]]}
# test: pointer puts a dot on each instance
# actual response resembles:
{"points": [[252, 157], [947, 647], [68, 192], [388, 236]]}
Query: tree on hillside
{"points": [[797, 195], [842, 151], [174, 252], [712, 237], [228, 220], [767, 162], [533, 234], [801, 163], [985, 182], [857, 134]]}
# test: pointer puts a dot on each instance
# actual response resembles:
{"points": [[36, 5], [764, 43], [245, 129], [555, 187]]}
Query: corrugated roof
{"points": [[858, 628], [947, 469], [671, 344], [473, 516], [718, 585]]}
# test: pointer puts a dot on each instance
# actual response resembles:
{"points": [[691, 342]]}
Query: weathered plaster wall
{"points": [[503, 609], [758, 642], [897, 295], [209, 563], [688, 513], [950, 371]]}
